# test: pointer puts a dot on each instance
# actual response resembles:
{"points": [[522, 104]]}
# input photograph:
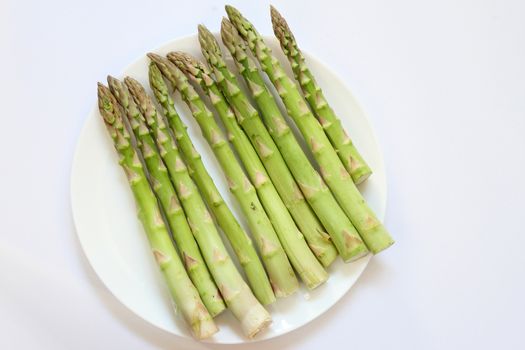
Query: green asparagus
{"points": [[338, 225], [280, 175], [238, 296], [239, 240], [301, 257], [165, 191], [281, 274], [183, 292], [332, 169], [346, 150]]}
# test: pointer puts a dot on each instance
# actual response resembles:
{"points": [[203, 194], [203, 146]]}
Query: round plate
{"points": [[116, 247]]}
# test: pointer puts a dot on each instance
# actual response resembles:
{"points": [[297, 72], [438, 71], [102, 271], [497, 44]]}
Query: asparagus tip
{"points": [[226, 25], [177, 55], [106, 104], [118, 90], [242, 25], [155, 57], [234, 14], [156, 81], [209, 44], [132, 84], [103, 90], [183, 59], [205, 34], [178, 58], [229, 34], [202, 29], [188, 64], [114, 84], [275, 15], [162, 63], [280, 27], [230, 10]]}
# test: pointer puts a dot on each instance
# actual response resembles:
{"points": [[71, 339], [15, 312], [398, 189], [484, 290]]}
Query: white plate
{"points": [[116, 246]]}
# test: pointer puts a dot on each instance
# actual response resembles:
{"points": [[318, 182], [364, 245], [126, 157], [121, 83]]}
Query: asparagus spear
{"points": [[183, 292], [281, 274], [301, 257], [165, 191], [346, 150], [240, 241], [333, 171], [238, 296], [338, 225], [279, 173]]}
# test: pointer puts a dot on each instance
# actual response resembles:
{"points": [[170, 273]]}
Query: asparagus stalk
{"points": [[346, 150], [240, 241], [238, 296], [333, 171], [280, 175], [301, 257], [338, 225], [183, 292], [165, 191], [281, 274]]}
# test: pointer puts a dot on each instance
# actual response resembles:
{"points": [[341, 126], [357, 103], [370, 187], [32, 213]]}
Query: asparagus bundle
{"points": [[238, 296], [301, 257], [240, 241], [165, 191], [281, 274], [338, 225], [279, 173], [333, 171], [182, 290], [347, 152]]}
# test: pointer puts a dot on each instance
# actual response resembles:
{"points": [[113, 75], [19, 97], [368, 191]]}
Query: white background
{"points": [[444, 85]]}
